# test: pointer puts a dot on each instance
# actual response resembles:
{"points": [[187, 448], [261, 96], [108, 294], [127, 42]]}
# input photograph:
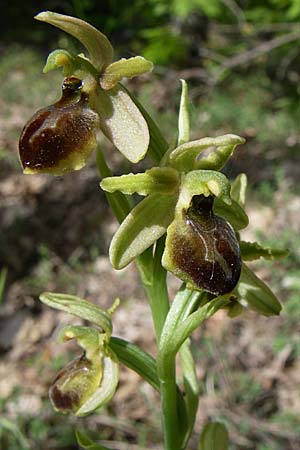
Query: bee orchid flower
{"points": [[60, 137]]}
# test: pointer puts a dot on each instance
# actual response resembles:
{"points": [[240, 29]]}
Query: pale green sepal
{"points": [[109, 382], [61, 59], [124, 68], [87, 444], [122, 122], [183, 118], [252, 292], [156, 180], [238, 189], [234, 213], [252, 250], [79, 308], [214, 436], [218, 157], [146, 223], [206, 182], [184, 156], [98, 46]]}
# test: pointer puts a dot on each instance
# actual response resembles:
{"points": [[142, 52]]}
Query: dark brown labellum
{"points": [[205, 250], [60, 137]]}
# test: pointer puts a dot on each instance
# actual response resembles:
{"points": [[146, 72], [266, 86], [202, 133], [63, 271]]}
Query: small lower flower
{"points": [[89, 381]]}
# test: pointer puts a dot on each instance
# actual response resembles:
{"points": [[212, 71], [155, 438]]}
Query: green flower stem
{"points": [[191, 387], [174, 436], [136, 359]]}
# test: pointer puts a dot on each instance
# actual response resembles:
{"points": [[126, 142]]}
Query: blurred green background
{"points": [[241, 60]]}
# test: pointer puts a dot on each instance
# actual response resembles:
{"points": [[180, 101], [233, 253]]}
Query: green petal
{"points": [[60, 59], [122, 122], [233, 213], [156, 180], [183, 119], [252, 250], [146, 223], [184, 156], [238, 189], [96, 43], [206, 182], [124, 68], [255, 294]]}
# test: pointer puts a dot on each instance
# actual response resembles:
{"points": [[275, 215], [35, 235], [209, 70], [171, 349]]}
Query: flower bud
{"points": [[88, 382], [202, 249], [60, 137]]}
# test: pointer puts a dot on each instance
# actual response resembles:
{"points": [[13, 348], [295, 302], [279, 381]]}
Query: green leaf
{"points": [[252, 250], [86, 443], [238, 189], [124, 68], [252, 292], [183, 119], [214, 437], [146, 223], [3, 275], [96, 43], [184, 156], [79, 308], [122, 122], [156, 180], [233, 213], [136, 359]]}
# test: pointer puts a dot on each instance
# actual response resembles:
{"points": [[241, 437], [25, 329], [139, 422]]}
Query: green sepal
{"points": [[86, 443], [233, 213], [80, 308], [238, 189], [98, 46], [183, 118], [253, 293], [185, 156], [146, 223], [122, 122], [214, 436], [124, 68], [107, 388], [156, 180], [252, 250]]}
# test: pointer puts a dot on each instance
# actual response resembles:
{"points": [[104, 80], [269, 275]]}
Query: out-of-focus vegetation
{"points": [[242, 62]]}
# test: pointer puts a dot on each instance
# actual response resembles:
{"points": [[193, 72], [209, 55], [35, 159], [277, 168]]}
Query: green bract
{"points": [[88, 382], [60, 137]]}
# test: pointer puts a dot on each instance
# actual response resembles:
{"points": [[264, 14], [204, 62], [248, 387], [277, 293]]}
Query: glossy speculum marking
{"points": [[207, 251]]}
